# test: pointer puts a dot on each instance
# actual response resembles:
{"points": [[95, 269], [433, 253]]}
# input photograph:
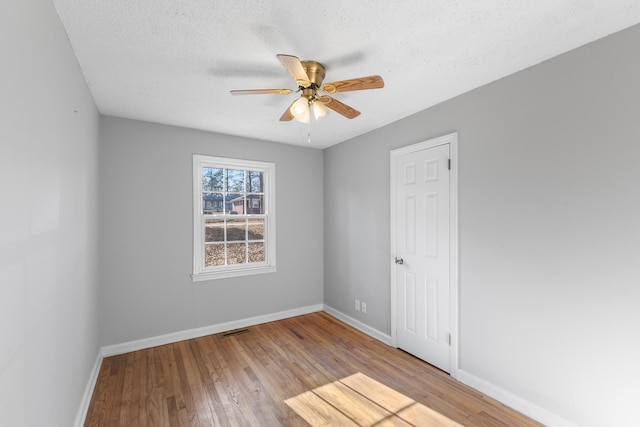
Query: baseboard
{"points": [[514, 402], [372, 332], [88, 391], [112, 350]]}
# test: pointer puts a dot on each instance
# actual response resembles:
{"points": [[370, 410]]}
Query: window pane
{"points": [[236, 204], [213, 254], [212, 203], [256, 252], [214, 230], [235, 181], [256, 229], [237, 253], [230, 198], [255, 204], [212, 179], [254, 182], [236, 230]]}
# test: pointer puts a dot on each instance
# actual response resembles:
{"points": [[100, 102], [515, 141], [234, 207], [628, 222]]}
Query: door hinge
{"points": [[449, 164], [449, 338]]}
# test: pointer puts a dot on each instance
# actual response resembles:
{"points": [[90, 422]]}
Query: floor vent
{"points": [[236, 332]]}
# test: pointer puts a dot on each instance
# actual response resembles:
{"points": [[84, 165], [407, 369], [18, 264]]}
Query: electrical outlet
{"points": [[357, 305], [364, 307]]}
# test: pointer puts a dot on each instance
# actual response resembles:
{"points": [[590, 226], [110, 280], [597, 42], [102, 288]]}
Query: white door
{"points": [[422, 258]]}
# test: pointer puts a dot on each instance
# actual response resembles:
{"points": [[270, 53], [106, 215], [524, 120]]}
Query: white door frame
{"points": [[452, 140]]}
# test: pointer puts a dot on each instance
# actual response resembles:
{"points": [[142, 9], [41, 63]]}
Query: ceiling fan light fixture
{"points": [[320, 110], [309, 76], [301, 110]]}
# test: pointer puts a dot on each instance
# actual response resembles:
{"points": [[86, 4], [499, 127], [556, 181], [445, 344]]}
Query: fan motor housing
{"points": [[315, 71]]}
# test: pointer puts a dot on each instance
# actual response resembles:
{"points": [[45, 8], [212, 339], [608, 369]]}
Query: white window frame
{"points": [[200, 272]]}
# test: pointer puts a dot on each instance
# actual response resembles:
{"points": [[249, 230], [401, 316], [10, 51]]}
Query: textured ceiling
{"points": [[175, 61]]}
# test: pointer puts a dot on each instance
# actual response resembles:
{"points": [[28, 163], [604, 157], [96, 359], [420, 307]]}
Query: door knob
{"points": [[399, 260]]}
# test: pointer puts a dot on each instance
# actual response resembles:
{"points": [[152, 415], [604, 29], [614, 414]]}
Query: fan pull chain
{"points": [[309, 133]]}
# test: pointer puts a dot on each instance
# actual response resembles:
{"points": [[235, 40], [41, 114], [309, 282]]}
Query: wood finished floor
{"points": [[244, 379]]}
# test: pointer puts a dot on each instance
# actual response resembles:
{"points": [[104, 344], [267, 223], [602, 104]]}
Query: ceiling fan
{"points": [[309, 76]]}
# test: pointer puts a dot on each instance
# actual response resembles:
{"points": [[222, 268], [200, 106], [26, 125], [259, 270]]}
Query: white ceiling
{"points": [[175, 61]]}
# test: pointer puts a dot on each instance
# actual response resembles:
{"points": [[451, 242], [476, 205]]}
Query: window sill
{"points": [[225, 274]]}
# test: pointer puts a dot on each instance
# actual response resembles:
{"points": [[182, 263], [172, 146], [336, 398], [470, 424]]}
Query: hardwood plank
{"points": [[245, 380], [127, 391], [418, 414], [153, 391], [384, 396], [318, 412]]}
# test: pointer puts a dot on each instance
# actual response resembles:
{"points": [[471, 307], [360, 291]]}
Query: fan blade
{"points": [[339, 107], [262, 92], [287, 116], [295, 68], [361, 83]]}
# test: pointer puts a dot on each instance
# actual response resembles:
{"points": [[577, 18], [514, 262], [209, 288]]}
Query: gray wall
{"points": [[549, 229], [48, 221], [147, 227]]}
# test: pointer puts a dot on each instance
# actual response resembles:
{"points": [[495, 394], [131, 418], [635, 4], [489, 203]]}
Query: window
{"points": [[234, 217]]}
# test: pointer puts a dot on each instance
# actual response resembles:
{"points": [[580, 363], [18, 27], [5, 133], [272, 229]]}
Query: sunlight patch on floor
{"points": [[358, 400]]}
